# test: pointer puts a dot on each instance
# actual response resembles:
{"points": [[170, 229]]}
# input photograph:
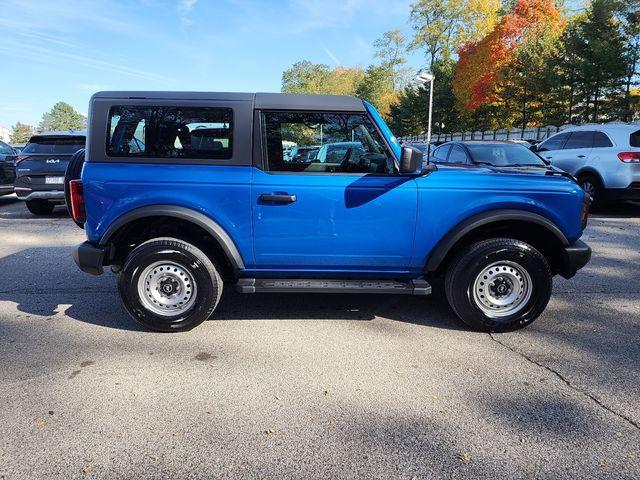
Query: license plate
{"points": [[54, 180]]}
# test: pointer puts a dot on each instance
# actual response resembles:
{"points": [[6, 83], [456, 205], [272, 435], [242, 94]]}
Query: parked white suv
{"points": [[604, 158]]}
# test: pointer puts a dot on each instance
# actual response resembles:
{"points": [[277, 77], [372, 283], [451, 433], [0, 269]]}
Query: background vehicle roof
{"points": [[61, 133], [273, 101]]}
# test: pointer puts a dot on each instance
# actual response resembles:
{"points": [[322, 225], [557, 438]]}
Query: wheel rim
{"points": [[502, 289], [167, 289], [589, 187]]}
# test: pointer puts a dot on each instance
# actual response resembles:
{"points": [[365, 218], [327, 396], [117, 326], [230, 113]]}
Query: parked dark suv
{"points": [[7, 168], [41, 167]]}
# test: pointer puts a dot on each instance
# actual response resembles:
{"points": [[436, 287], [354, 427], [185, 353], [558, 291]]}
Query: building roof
{"points": [[270, 101]]}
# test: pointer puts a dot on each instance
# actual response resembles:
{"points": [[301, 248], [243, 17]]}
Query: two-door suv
{"points": [[182, 193]]}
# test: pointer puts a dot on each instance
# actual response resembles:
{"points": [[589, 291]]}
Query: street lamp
{"points": [[423, 78]]}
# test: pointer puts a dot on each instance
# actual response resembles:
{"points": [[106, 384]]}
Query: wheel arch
{"points": [[588, 170], [519, 224], [204, 223]]}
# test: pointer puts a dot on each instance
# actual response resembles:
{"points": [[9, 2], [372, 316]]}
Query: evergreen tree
{"points": [[62, 117]]}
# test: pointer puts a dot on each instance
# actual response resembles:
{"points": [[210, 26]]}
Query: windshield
{"points": [[503, 154], [57, 145], [5, 149]]}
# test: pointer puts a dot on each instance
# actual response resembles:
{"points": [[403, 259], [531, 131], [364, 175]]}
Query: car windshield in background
{"points": [[5, 149], [503, 155], [56, 145]]}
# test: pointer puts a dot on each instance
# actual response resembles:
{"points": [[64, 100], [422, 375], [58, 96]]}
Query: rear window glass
{"points": [[170, 132], [634, 139], [49, 145], [5, 149]]}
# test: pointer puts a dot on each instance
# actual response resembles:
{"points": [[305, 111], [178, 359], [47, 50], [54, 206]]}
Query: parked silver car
{"points": [[604, 158]]}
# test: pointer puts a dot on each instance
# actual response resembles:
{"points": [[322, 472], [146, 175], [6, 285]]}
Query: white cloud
{"points": [[331, 55], [186, 5]]}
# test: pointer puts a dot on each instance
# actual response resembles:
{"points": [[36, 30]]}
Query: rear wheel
{"points": [[593, 186], [169, 285], [40, 207], [498, 285]]}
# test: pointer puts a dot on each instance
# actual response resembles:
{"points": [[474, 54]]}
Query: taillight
{"points": [[77, 201], [586, 204], [629, 157]]}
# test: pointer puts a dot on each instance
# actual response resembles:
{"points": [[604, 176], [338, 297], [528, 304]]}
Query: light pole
{"points": [[424, 77]]}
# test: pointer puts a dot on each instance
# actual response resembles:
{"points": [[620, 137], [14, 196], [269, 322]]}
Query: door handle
{"points": [[278, 198], [581, 156]]}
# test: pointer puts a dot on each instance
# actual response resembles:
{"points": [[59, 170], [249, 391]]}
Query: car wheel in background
{"points": [[593, 186], [40, 207], [74, 169], [169, 285], [498, 285]]}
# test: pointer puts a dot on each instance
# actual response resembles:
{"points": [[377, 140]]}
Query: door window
{"points": [[579, 140], [324, 143], [554, 143], [457, 155], [440, 155]]}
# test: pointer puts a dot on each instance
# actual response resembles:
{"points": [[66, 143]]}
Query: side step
{"points": [[301, 285]]}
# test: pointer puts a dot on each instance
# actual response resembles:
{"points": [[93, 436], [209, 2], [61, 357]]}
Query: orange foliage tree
{"points": [[481, 64]]}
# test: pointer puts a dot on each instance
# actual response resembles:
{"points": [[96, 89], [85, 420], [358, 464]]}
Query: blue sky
{"points": [[68, 49]]}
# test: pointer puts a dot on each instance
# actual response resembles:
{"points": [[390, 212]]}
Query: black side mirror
{"points": [[533, 148], [410, 160]]}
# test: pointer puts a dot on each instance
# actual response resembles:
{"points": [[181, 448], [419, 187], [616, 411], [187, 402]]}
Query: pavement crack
{"points": [[568, 383]]}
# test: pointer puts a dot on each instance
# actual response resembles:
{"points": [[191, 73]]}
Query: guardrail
{"points": [[533, 133]]}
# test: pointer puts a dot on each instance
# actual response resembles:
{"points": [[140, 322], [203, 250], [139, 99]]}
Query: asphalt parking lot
{"points": [[313, 386]]}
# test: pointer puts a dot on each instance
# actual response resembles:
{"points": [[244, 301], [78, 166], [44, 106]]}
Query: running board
{"points": [[301, 285]]}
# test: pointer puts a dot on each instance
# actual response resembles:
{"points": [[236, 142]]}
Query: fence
{"points": [[533, 133]]}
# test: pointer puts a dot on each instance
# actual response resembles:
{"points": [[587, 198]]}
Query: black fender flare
{"points": [[447, 242], [183, 213]]}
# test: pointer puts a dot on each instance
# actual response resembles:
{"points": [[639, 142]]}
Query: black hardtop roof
{"points": [[270, 101]]}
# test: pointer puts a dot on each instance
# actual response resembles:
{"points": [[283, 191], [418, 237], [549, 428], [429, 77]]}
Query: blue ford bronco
{"points": [[184, 193]]}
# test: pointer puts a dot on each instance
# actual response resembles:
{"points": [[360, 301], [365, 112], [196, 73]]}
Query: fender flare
{"points": [[183, 213], [447, 242]]}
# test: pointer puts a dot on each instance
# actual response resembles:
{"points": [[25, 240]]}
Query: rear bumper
{"points": [[575, 256], [29, 194], [622, 194], [89, 258]]}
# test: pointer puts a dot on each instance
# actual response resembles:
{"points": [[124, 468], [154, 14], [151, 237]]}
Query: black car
{"points": [[494, 154], [41, 167], [7, 168]]}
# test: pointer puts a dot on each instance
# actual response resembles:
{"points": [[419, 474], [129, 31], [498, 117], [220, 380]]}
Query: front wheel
{"points": [[169, 285], [498, 285]]}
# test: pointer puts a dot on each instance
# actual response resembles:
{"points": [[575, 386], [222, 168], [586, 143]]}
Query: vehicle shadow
{"points": [[618, 210], [52, 284]]}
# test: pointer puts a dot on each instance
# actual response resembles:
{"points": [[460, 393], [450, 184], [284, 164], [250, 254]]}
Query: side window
{"points": [[440, 155], [170, 132], [554, 143], [600, 140], [634, 139], [324, 143], [579, 139], [457, 155]]}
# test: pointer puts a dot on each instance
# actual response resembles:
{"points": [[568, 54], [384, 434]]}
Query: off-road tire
{"points": [[40, 207], [188, 257], [466, 268]]}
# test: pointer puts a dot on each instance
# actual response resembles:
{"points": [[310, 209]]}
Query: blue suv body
{"points": [[181, 193]]}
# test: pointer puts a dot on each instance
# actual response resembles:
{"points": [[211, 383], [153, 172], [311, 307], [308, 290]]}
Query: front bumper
{"points": [[89, 258], [574, 256]]}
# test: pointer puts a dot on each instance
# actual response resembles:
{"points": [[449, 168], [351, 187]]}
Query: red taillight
{"points": [[629, 157], [77, 201]]}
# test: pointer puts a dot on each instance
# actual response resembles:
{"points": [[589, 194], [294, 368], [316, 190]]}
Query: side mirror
{"points": [[410, 160], [533, 148]]}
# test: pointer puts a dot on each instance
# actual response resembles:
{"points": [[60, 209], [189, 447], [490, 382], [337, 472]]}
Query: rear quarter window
{"points": [[634, 139], [170, 132]]}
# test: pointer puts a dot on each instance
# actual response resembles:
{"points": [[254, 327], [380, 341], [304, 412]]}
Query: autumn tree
{"points": [[62, 117], [442, 26], [21, 133], [308, 77], [481, 67]]}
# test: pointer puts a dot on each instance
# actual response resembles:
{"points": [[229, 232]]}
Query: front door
{"points": [[329, 197]]}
